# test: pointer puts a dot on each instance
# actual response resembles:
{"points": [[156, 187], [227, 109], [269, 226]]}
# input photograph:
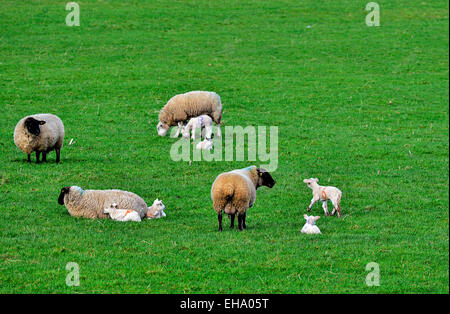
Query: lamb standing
{"points": [[205, 144], [310, 225], [203, 122], [122, 214], [235, 191], [182, 107], [40, 133], [323, 194], [91, 203]]}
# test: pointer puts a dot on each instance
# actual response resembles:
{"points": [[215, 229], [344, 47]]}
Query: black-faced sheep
{"points": [[40, 133], [235, 191]]}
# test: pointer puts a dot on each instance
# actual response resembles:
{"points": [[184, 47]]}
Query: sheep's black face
{"points": [[64, 190], [32, 125], [265, 178]]}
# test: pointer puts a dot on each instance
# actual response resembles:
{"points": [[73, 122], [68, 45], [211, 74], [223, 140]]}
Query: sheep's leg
{"points": [[240, 218], [44, 156], [337, 206], [219, 133], [325, 208], [29, 158], [38, 155], [232, 220], [219, 217], [58, 155], [243, 221]]}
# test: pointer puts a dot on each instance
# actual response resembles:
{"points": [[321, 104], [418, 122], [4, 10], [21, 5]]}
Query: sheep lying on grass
{"points": [[122, 214], [203, 122], [182, 107], [91, 203], [156, 210], [235, 191], [310, 225], [323, 194], [40, 133]]}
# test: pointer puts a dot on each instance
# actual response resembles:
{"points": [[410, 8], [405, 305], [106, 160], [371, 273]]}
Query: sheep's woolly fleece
{"points": [[91, 203], [51, 134]]}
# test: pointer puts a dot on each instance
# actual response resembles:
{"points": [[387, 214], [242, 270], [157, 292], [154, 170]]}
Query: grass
{"points": [[327, 87]]}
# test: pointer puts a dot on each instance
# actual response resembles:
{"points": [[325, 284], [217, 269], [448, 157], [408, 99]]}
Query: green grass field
{"points": [[312, 68]]}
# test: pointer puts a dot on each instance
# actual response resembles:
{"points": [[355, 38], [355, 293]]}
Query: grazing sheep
{"points": [[40, 133], [91, 203], [235, 191], [310, 225], [323, 194], [156, 210], [205, 144], [182, 107], [203, 122], [121, 214]]}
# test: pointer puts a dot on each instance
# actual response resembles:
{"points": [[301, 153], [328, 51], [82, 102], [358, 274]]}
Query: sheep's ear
{"points": [[316, 218], [305, 180], [42, 122], [315, 179], [305, 216]]}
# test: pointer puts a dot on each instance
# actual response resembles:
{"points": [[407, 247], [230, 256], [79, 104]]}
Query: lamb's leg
{"points": [[219, 217], [180, 126], [38, 155], [193, 133], [325, 208], [313, 201], [58, 154], [29, 158], [232, 220], [336, 206]]}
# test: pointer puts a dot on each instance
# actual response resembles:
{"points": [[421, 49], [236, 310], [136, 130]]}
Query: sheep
{"points": [[40, 133], [235, 191], [310, 225], [205, 144], [122, 214], [156, 210], [323, 194], [182, 107], [91, 203], [203, 122]]}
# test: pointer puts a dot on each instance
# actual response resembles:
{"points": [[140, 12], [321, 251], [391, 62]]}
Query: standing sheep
{"points": [[40, 133], [182, 107], [323, 194], [235, 191], [91, 203]]}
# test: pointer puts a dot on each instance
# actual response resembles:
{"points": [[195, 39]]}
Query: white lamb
{"points": [[156, 210], [122, 214], [323, 194], [203, 122], [205, 144], [310, 225]]}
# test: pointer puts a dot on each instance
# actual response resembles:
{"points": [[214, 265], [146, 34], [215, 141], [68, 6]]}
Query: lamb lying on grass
{"points": [[323, 194], [122, 214], [156, 210], [310, 225], [203, 122]]}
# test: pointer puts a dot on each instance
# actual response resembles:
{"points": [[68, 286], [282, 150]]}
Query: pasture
{"points": [[312, 68]]}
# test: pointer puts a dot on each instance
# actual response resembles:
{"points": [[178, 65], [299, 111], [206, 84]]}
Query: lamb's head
{"points": [[311, 182], [111, 208], [162, 128], [32, 125], [311, 220], [264, 178]]}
